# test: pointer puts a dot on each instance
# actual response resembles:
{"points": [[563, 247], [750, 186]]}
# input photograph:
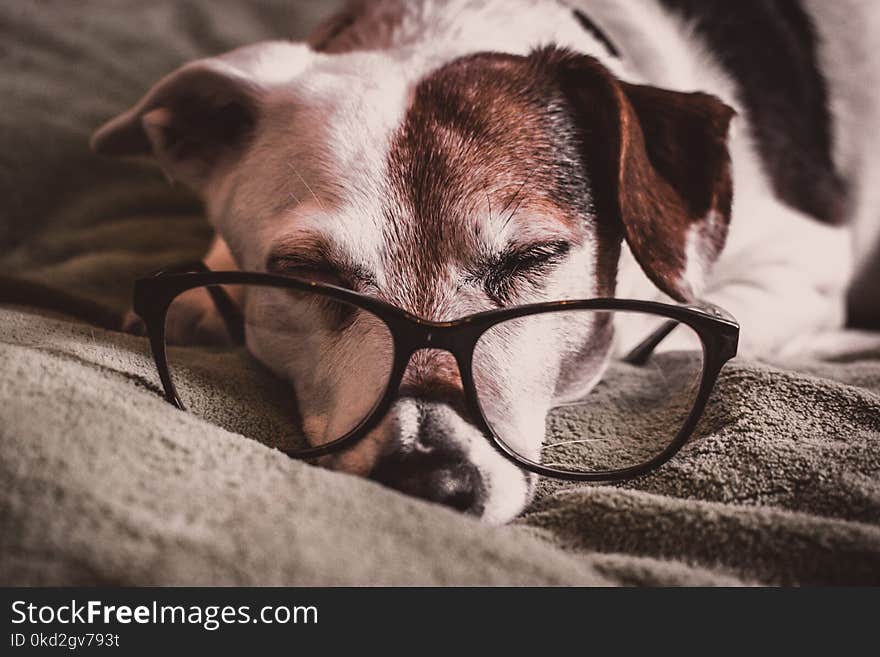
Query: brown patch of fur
{"points": [[330, 35], [433, 375], [360, 25], [483, 135]]}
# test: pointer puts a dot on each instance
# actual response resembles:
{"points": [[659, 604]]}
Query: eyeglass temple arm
{"points": [[640, 354], [228, 309]]}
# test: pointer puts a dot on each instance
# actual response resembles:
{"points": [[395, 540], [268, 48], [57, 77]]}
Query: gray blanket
{"points": [[105, 483]]}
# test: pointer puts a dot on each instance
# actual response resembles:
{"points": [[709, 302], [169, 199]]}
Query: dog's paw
{"points": [[192, 319], [132, 323]]}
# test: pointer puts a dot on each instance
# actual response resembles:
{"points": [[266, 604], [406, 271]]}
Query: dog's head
{"points": [[488, 181]]}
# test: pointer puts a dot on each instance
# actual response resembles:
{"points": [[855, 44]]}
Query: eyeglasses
{"points": [[351, 353]]}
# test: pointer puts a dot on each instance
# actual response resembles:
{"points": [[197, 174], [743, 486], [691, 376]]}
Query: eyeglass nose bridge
{"points": [[453, 337], [434, 339], [456, 339]]}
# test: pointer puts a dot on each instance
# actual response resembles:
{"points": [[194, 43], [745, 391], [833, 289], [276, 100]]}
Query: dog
{"points": [[657, 149]]}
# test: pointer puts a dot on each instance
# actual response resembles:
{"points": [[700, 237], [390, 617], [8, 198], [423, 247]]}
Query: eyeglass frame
{"points": [[717, 329]]}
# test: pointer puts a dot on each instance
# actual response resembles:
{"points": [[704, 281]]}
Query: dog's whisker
{"points": [[518, 198], [513, 212], [308, 187], [574, 442], [515, 196]]}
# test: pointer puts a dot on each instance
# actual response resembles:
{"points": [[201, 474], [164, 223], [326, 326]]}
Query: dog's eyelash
{"points": [[321, 270], [503, 273], [338, 315], [294, 266], [540, 255]]}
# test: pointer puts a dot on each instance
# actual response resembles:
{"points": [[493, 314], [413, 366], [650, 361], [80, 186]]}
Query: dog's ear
{"points": [[659, 165], [199, 118]]}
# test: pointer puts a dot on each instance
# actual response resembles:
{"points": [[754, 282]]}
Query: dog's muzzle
{"points": [[424, 457]]}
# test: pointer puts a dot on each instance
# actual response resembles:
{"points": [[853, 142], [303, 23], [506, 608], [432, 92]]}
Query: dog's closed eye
{"points": [[504, 273], [315, 260], [336, 315], [317, 270]]}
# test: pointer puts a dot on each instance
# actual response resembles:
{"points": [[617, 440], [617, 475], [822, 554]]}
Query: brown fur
{"points": [[481, 137]]}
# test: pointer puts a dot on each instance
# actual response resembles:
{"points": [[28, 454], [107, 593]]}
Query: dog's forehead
{"points": [[489, 114], [483, 125], [429, 168], [485, 152]]}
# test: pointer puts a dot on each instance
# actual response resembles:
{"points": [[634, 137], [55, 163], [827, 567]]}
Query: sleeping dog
{"points": [[450, 157]]}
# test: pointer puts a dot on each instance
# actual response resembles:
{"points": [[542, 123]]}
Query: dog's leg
{"points": [[219, 257], [787, 287], [782, 275], [193, 317]]}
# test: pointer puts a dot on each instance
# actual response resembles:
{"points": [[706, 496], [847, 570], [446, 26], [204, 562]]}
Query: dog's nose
{"points": [[434, 474], [430, 465]]}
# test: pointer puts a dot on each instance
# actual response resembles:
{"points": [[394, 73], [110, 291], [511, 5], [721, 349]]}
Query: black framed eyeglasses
{"points": [[634, 420]]}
